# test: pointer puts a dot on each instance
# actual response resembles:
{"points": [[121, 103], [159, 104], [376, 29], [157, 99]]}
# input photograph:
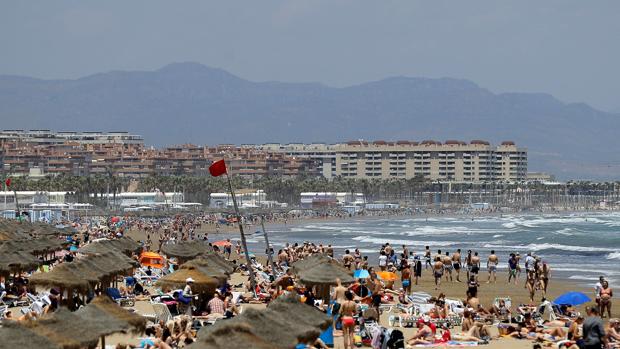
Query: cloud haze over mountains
{"points": [[189, 102]]}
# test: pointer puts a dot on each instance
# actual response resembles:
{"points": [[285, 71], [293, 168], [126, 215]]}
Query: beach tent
{"points": [[152, 259]]}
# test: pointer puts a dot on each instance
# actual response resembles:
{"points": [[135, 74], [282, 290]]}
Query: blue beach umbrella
{"points": [[572, 298], [361, 274]]}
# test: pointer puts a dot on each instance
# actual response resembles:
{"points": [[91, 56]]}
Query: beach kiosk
{"points": [[152, 259]]}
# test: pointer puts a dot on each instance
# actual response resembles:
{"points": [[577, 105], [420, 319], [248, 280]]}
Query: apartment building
{"points": [[46, 153], [475, 161], [47, 137]]}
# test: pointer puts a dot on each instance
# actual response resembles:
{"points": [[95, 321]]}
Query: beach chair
{"points": [[405, 317], [3, 310], [116, 296], [161, 312]]}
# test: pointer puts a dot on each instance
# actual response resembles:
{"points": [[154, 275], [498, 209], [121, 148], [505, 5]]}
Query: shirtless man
{"points": [[447, 264], [475, 265], [347, 259], [338, 298], [492, 263], [427, 257], [456, 264], [438, 269], [330, 251]]}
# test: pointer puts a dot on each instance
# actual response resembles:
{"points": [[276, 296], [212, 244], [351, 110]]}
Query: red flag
{"points": [[217, 168], [8, 182]]}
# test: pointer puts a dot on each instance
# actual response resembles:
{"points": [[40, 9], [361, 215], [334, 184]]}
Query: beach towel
{"points": [[455, 344]]}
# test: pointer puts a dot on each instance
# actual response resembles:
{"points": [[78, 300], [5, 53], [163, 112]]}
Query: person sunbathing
{"points": [[423, 336]]}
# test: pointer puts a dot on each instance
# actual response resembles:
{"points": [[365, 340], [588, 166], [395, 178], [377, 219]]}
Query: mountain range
{"points": [[193, 103]]}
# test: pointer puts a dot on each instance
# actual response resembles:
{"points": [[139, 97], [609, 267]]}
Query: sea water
{"points": [[577, 246]]}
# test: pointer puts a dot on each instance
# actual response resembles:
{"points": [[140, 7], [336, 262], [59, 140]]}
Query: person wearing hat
{"points": [[613, 330], [187, 294]]}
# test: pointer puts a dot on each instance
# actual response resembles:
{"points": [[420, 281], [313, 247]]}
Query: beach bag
{"points": [[396, 341]]}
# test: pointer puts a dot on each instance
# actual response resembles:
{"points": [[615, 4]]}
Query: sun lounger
{"points": [[116, 296], [162, 312], [3, 310]]}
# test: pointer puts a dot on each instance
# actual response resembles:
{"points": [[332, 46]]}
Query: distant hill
{"points": [[189, 102]]}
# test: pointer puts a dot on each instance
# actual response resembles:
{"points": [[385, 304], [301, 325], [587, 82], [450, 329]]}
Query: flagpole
{"points": [[243, 242], [269, 253]]}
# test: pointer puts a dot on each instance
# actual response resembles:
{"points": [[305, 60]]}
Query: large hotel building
{"points": [[475, 161], [124, 154]]}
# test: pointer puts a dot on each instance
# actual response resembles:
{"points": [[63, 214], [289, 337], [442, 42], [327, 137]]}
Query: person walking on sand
{"points": [[447, 265], [594, 336], [475, 265], [347, 311], [512, 268], [427, 257], [339, 299], [492, 263], [438, 269], [606, 295], [456, 264]]}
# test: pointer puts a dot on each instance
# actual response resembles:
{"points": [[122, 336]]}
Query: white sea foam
{"points": [[613, 255], [381, 241], [498, 235], [565, 231], [547, 246]]}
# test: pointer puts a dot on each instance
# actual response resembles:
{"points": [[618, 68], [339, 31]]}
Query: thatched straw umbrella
{"points": [[15, 335], [208, 268], [17, 261], [299, 312], [323, 275], [109, 316], [274, 325], [202, 283], [34, 246], [85, 327], [125, 245], [186, 250], [310, 261], [65, 276], [232, 335], [216, 259]]}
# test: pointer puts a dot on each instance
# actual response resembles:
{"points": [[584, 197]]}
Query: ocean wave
{"points": [[565, 232], [547, 246], [498, 235], [381, 241], [613, 255]]}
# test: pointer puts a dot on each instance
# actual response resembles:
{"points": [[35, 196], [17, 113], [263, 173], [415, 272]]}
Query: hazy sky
{"points": [[569, 48]]}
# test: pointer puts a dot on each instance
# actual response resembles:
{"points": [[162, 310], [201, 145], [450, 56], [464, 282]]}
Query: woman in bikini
{"points": [[347, 311], [606, 294]]}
